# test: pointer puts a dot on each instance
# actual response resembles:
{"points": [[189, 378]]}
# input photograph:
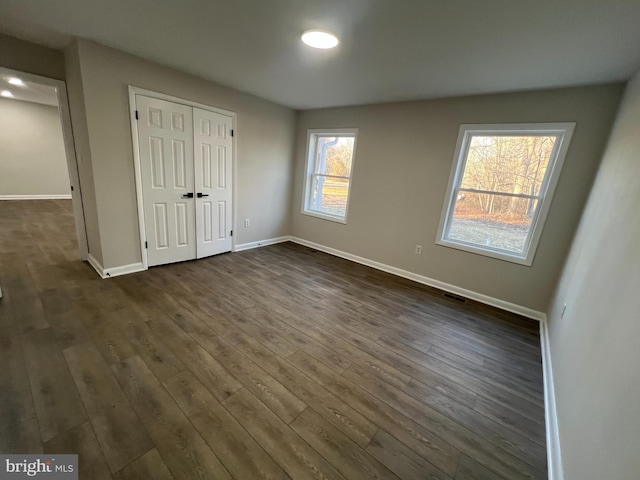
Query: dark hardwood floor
{"points": [[280, 362]]}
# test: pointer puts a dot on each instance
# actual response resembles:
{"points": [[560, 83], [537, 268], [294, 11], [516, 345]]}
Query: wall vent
{"points": [[457, 298]]}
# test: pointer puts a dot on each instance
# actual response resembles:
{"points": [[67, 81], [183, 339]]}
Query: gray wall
{"points": [[265, 138], [32, 156], [401, 172], [75, 92], [31, 58], [594, 348]]}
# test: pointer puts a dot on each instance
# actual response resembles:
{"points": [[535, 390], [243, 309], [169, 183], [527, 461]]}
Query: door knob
{"points": [[200, 194], [188, 195]]}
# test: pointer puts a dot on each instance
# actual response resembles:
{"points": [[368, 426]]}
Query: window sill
{"points": [[324, 216], [526, 261]]}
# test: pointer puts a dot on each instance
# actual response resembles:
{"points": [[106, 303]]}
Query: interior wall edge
{"points": [[554, 455]]}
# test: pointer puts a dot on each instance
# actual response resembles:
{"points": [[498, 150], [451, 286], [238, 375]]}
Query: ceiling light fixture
{"points": [[6, 93], [320, 39], [16, 81]]}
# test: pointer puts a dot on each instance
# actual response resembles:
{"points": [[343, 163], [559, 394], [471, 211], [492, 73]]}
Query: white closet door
{"points": [[165, 131], [213, 176]]}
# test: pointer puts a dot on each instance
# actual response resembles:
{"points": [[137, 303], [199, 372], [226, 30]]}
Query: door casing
{"points": [[133, 91], [70, 151]]}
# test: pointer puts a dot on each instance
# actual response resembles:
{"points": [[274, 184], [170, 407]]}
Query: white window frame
{"points": [[563, 131], [312, 141]]}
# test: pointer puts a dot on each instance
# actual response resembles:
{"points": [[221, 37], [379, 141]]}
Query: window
{"points": [[501, 186], [330, 155]]}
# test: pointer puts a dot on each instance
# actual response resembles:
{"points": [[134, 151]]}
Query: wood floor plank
{"points": [[237, 450], [352, 461], [201, 363], [66, 325], [21, 437], [425, 368], [472, 470], [27, 311], [81, 441], [150, 465], [268, 390], [333, 409], [292, 453], [119, 432], [497, 457], [105, 334], [421, 439], [57, 403], [401, 460], [299, 339], [182, 448], [354, 350], [158, 356], [516, 384], [16, 402], [382, 376]]}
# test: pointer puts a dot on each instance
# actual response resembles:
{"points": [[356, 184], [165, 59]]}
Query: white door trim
{"points": [[70, 151], [133, 91]]}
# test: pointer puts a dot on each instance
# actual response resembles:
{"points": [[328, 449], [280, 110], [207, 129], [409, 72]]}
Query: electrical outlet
{"points": [[418, 249], [247, 223], [564, 309]]}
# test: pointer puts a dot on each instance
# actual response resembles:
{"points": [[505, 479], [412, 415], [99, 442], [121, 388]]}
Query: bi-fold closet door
{"points": [[185, 167]]}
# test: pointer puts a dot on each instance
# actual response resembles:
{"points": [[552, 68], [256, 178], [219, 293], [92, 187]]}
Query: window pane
{"points": [[492, 221], [334, 156], [329, 195], [508, 164]]}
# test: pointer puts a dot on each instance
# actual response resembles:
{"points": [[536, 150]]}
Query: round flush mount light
{"points": [[6, 93], [320, 39], [16, 81]]}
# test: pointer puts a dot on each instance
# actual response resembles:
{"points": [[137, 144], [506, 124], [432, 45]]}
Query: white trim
{"points": [[554, 456], [133, 91], [138, 175], [61, 196], [96, 265], [123, 270], [447, 287], [312, 134], [70, 151], [563, 132], [260, 243], [114, 271]]}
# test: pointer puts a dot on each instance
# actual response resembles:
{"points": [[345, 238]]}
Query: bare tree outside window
{"points": [[329, 174], [500, 183]]}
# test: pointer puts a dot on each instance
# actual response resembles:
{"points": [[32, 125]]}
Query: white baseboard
{"points": [[115, 271], [554, 457], [260, 243], [65, 196], [447, 287], [123, 270], [96, 265]]}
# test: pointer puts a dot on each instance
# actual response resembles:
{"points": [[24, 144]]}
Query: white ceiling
{"points": [[29, 91], [391, 49]]}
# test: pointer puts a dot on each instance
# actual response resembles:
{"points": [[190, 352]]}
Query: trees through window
{"points": [[501, 187], [329, 171]]}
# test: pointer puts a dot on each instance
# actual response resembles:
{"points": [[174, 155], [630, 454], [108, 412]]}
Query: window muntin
{"points": [[329, 171], [501, 188]]}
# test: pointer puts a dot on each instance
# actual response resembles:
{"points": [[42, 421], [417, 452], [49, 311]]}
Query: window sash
{"points": [[317, 162], [563, 133], [504, 194], [527, 242], [310, 202], [314, 175]]}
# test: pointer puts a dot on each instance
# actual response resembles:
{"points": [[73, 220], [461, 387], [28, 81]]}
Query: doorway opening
{"points": [[37, 157]]}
